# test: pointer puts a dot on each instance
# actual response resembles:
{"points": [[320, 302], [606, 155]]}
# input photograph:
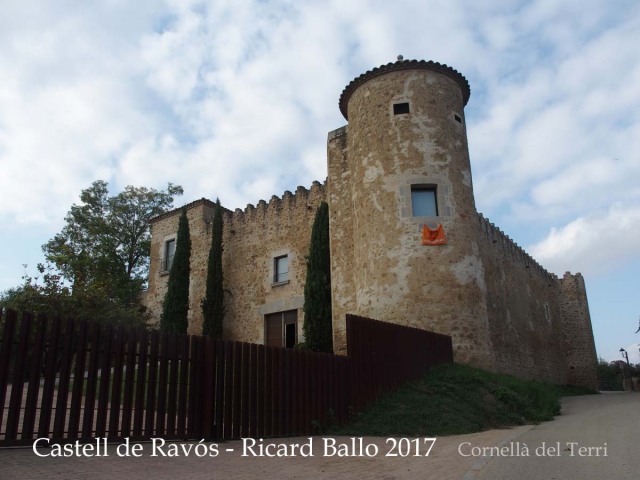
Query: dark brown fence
{"points": [[383, 356], [69, 380]]}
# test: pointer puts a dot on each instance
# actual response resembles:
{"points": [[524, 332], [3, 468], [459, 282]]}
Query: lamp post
{"points": [[625, 355]]}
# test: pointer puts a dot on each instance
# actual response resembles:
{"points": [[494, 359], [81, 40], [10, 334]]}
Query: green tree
{"points": [[96, 266], [42, 293], [610, 374], [176, 301], [213, 302], [105, 243], [317, 289], [47, 293]]}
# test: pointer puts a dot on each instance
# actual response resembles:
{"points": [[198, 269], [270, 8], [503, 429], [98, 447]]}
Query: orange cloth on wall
{"points": [[433, 237]]}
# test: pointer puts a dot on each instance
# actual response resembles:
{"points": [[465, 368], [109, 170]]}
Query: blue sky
{"points": [[234, 99]]}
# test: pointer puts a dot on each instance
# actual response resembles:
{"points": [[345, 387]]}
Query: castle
{"points": [[407, 244]]}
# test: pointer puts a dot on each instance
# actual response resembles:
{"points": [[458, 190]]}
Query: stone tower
{"points": [[403, 162], [578, 333]]}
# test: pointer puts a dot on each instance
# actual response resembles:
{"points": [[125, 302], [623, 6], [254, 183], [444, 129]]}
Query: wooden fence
{"points": [[69, 380]]}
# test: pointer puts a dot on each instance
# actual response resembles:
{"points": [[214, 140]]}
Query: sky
{"points": [[234, 99]]}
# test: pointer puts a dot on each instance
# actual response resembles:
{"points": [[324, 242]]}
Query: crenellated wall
{"points": [[507, 247], [252, 238], [523, 304]]}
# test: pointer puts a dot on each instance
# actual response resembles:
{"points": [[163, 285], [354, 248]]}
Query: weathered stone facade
{"points": [[406, 133]]}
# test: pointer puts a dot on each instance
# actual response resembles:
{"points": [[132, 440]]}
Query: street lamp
{"points": [[625, 355]]}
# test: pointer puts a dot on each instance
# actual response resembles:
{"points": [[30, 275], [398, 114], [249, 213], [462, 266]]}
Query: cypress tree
{"points": [[317, 289], [176, 300], [213, 302]]}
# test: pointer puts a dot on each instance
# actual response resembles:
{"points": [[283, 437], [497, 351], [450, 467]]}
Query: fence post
{"points": [[66, 358], [208, 380], [49, 379], [28, 423], [17, 385], [5, 356]]}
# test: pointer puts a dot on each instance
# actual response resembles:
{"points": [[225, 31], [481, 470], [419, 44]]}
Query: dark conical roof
{"points": [[404, 65]]}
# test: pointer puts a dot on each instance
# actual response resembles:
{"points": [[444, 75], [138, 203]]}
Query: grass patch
{"points": [[455, 399]]}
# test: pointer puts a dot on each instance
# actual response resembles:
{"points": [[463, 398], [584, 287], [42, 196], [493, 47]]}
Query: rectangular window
{"points": [[400, 108], [281, 269], [169, 253], [281, 329], [424, 202]]}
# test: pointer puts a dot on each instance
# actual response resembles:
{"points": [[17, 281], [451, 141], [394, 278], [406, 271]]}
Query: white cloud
{"points": [[66, 103], [566, 127], [581, 187], [593, 244]]}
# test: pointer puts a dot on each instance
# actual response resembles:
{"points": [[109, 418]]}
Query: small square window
{"points": [[457, 117], [169, 253], [424, 202], [281, 269], [400, 108]]}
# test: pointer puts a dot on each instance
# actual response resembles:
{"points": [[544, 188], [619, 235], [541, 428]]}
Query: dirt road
{"points": [[608, 424], [597, 437]]}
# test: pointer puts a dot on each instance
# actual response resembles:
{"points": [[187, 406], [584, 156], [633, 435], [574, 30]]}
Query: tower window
{"points": [[457, 117], [281, 269], [424, 201], [400, 108]]}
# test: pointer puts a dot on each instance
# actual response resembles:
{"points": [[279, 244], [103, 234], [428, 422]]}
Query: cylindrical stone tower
{"points": [[401, 163]]}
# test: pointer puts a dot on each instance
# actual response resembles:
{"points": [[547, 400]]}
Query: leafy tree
{"points": [[176, 301], [213, 302], [612, 374], [317, 290], [105, 243], [43, 293], [609, 375], [47, 293], [97, 265]]}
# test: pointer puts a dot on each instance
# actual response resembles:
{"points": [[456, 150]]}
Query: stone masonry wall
{"points": [[343, 290], [524, 310], [252, 238], [165, 227]]}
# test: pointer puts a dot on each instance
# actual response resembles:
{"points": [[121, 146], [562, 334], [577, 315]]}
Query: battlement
{"points": [[275, 205], [573, 281], [281, 206], [512, 250]]}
